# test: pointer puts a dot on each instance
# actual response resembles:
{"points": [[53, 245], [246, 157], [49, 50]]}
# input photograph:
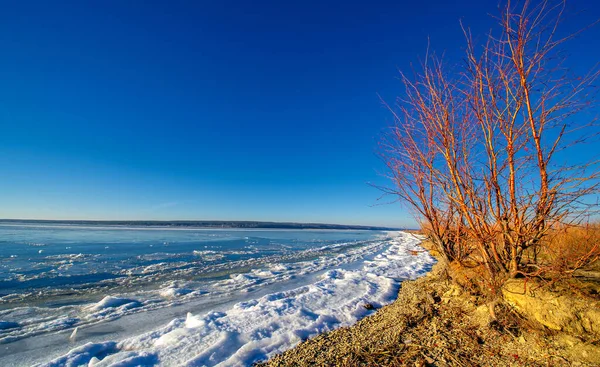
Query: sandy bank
{"points": [[434, 323]]}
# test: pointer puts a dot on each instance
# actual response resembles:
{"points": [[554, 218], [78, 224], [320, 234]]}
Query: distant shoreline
{"points": [[196, 224]]}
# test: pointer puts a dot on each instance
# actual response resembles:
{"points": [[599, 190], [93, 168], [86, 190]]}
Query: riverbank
{"points": [[433, 322]]}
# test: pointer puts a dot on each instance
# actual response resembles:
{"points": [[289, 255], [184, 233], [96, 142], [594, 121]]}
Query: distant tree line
{"points": [[202, 224]]}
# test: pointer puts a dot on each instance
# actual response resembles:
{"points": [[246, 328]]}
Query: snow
{"points": [[174, 292], [73, 336], [14, 331], [82, 355], [114, 302], [260, 273], [257, 329]]}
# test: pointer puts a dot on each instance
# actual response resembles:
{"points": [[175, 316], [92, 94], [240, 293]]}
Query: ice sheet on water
{"points": [[5, 325], [177, 288], [256, 329]]}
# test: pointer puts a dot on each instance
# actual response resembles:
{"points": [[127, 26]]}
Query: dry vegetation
{"points": [[570, 249], [484, 155]]}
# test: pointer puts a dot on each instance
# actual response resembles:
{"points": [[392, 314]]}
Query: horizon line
{"points": [[202, 221]]}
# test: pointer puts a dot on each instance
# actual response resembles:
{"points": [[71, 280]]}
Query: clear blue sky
{"points": [[213, 110]]}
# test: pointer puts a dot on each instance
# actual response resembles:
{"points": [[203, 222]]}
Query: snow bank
{"points": [[257, 329]]}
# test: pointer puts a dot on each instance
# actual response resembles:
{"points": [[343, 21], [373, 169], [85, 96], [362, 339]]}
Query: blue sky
{"points": [[213, 110]]}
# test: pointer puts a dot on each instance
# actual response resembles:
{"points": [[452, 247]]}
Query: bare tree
{"points": [[479, 154]]}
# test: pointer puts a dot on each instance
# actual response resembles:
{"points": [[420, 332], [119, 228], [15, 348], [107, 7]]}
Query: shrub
{"points": [[482, 154]]}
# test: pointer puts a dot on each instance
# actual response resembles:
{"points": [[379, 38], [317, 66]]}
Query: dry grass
{"points": [[569, 249]]}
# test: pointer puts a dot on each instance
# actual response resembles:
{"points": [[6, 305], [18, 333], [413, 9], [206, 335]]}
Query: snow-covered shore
{"points": [[257, 329]]}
